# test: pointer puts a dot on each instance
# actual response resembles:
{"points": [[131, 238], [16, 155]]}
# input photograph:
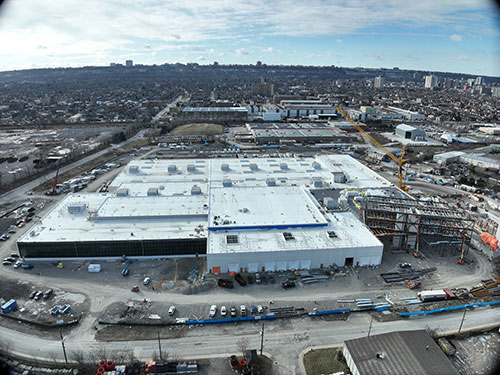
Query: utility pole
{"points": [[159, 345], [262, 339], [62, 343], [370, 328], [462, 322]]}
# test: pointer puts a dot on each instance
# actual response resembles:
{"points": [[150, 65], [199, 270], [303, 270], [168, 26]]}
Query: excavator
{"points": [[398, 159]]}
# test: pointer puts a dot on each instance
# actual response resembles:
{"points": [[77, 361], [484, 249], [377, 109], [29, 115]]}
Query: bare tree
{"points": [[242, 344]]}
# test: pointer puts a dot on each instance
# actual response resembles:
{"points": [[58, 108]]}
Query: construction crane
{"points": [[398, 159]]}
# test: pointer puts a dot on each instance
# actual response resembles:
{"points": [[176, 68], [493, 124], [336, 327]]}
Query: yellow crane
{"points": [[399, 160]]}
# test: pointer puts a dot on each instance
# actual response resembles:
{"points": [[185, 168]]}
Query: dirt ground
{"points": [[198, 129], [478, 354], [39, 311]]}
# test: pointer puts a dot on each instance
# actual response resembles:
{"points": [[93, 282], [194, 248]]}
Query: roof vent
{"points": [[152, 191], [77, 207], [227, 182], [271, 181], [190, 168], [195, 190], [172, 168], [380, 355], [224, 167], [316, 165], [253, 167], [123, 192], [133, 169], [283, 166]]}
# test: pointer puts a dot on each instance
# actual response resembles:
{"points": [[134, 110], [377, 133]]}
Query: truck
{"points": [[225, 283], [8, 306], [240, 279], [432, 295]]}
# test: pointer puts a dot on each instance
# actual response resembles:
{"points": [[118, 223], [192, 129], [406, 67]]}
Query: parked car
{"points": [[257, 278], [260, 309], [213, 311], [146, 281], [48, 293], [405, 265], [10, 259], [135, 288], [288, 284], [264, 280], [4, 237], [38, 295], [250, 279], [272, 280], [26, 266], [17, 264], [33, 293], [225, 283], [253, 309], [243, 310], [171, 310], [6, 262], [14, 255], [223, 311], [233, 311]]}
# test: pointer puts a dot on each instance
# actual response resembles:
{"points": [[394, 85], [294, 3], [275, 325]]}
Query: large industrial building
{"points": [[297, 132], [214, 114], [241, 214], [410, 132]]}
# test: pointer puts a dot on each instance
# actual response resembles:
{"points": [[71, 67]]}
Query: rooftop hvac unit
{"points": [[283, 166], [190, 168], [271, 182], [123, 192], [316, 165], [339, 177], [172, 168], [195, 190], [77, 208], [133, 169], [329, 202], [152, 191], [253, 166], [224, 167], [318, 182], [227, 182]]}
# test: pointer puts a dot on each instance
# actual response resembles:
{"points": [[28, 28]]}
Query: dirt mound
{"points": [[198, 129]]}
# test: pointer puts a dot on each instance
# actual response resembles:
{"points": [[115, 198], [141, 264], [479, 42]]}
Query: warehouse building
{"points": [[241, 214], [298, 132], [396, 353], [410, 132], [214, 114]]}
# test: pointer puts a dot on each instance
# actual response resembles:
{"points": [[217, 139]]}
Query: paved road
{"points": [[284, 345], [165, 110], [23, 189]]}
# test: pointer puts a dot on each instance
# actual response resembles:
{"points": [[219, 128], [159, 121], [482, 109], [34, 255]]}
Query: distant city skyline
{"points": [[460, 36]]}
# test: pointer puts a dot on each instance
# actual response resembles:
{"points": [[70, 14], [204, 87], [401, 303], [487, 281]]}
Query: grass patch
{"points": [[324, 361]]}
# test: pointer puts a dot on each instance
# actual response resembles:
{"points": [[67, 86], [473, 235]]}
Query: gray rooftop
{"points": [[404, 353]]}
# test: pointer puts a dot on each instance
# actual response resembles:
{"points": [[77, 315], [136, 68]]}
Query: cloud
{"points": [[340, 41], [268, 50], [377, 56], [201, 58], [242, 51], [456, 37]]}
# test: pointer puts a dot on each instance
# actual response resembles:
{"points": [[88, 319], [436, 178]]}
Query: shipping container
{"points": [[431, 295], [8, 306]]}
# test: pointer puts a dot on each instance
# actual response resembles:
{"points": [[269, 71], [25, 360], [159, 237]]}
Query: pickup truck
{"points": [[240, 279], [225, 283]]}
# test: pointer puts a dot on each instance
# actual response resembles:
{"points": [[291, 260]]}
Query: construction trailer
{"points": [[418, 225]]}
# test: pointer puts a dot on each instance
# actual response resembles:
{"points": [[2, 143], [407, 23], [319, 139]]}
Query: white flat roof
{"points": [[263, 207], [249, 208], [351, 233]]}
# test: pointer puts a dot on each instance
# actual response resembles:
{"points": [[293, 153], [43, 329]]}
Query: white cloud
{"points": [[103, 29], [456, 37], [201, 58], [242, 51], [268, 50]]}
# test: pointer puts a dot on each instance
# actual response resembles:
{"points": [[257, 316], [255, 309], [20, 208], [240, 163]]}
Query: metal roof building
{"points": [[410, 132], [397, 353], [224, 209]]}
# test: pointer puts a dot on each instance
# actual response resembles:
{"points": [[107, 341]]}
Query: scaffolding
{"points": [[419, 225]]}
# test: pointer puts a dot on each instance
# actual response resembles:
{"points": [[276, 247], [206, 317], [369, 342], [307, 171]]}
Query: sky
{"points": [[461, 36]]}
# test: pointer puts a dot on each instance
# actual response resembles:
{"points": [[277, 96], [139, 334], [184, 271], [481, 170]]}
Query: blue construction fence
{"points": [[450, 308], [232, 320]]}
